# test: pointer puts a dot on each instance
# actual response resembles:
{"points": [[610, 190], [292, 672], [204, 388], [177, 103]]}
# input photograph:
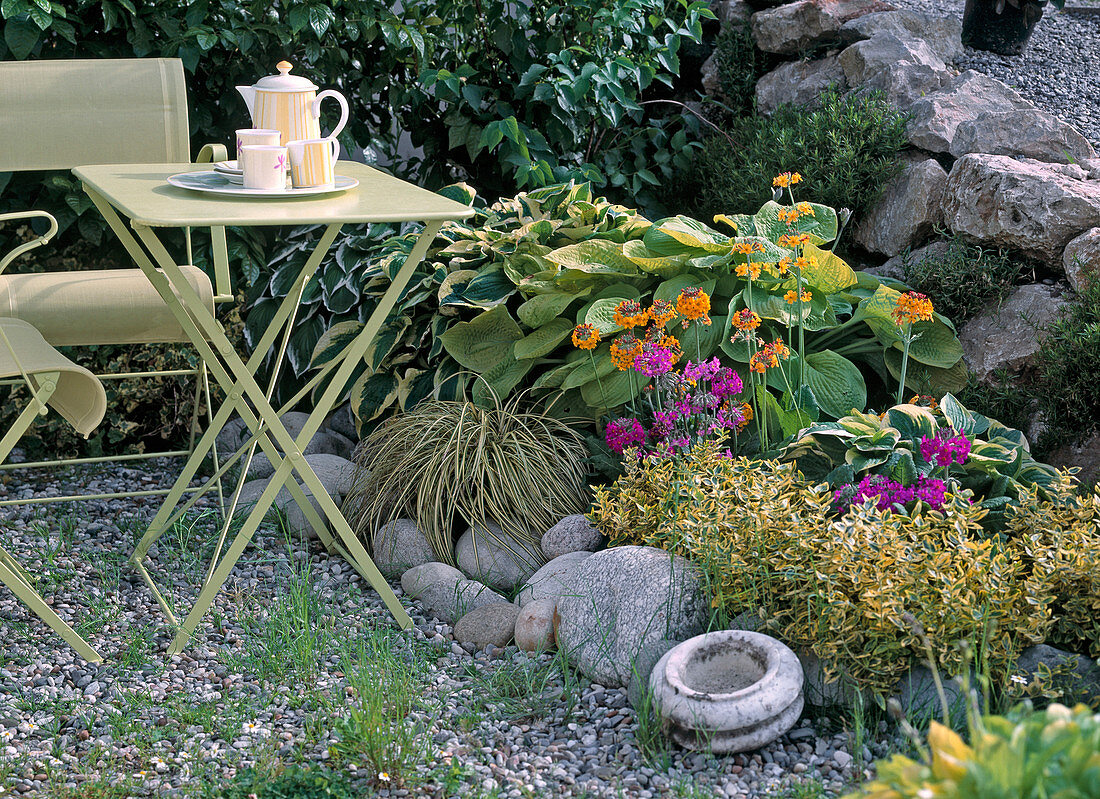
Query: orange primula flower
{"points": [[749, 270], [672, 344], [805, 209], [624, 350], [792, 296], [792, 239], [585, 337], [788, 215], [745, 320], [661, 312], [786, 179], [630, 314], [694, 304], [912, 307], [784, 264]]}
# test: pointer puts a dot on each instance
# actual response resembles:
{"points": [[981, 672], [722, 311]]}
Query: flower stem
{"points": [[599, 382], [908, 338]]}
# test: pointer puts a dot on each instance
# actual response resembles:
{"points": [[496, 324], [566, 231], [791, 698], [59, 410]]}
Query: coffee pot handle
{"points": [[315, 108]]}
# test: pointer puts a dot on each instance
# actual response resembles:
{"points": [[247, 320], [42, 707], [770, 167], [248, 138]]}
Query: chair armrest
{"points": [[212, 152], [30, 245]]}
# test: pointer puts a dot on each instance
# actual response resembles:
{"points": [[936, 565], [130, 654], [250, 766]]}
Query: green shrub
{"points": [[844, 588], [965, 279], [451, 465], [846, 151], [1068, 367], [500, 295], [1003, 399], [1025, 755], [740, 65]]}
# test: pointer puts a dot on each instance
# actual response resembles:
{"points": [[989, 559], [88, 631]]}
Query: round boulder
{"points": [[495, 558], [416, 579], [535, 625], [552, 580], [727, 691], [572, 534], [399, 545], [493, 624], [450, 601], [623, 600]]}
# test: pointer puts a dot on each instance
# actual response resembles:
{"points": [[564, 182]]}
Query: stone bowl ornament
{"points": [[727, 691], [1002, 26]]}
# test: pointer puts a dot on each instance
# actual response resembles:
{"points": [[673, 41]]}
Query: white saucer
{"points": [[220, 183]]}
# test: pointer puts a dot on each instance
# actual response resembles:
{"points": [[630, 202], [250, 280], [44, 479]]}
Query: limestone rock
{"points": [[493, 624], [895, 267], [495, 558], [863, 60], [416, 579], [295, 516], [731, 12], [904, 82], [1084, 455], [572, 534], [799, 83], [399, 545], [450, 601], [935, 118], [1081, 258], [795, 27], [535, 625], [712, 82], [906, 212], [1006, 335], [1026, 132], [942, 34], [638, 690], [1024, 205], [323, 441], [1082, 686], [342, 421], [625, 598], [553, 580]]}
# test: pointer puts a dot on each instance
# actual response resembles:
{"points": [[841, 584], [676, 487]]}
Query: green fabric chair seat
{"points": [[105, 306], [79, 396]]}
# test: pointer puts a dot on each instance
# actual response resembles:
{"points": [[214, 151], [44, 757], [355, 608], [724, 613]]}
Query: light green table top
{"points": [[140, 191]]}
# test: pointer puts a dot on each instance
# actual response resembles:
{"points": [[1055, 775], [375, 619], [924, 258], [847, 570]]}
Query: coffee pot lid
{"points": [[285, 82]]}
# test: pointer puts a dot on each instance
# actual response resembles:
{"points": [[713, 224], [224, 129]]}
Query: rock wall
{"points": [[984, 162]]}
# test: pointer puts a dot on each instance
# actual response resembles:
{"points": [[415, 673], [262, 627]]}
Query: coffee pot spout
{"points": [[249, 95]]}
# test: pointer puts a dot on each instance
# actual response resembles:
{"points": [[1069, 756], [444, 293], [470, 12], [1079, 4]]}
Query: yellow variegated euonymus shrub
{"points": [[843, 587]]}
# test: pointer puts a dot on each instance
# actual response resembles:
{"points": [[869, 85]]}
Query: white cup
{"points": [[264, 167], [313, 162], [250, 136]]}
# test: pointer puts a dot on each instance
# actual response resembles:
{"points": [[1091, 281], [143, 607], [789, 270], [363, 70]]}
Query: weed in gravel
{"points": [[292, 782], [137, 647], [650, 736], [524, 690], [809, 789]]}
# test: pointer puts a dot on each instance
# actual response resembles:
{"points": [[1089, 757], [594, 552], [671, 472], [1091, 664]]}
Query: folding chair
{"points": [[51, 380], [64, 113]]}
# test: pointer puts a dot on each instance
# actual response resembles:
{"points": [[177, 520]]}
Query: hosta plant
{"points": [[910, 445], [451, 465], [500, 297]]}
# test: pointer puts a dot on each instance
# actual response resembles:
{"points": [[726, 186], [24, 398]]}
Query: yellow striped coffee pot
{"points": [[291, 105]]}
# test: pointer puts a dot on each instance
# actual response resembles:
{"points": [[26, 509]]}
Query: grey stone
{"points": [[450, 601], [712, 81], [919, 699], [903, 83], [863, 60], [638, 690], [342, 421], [416, 579], [231, 436], [323, 441], [1007, 336], [493, 623], [907, 211], [1081, 674], [626, 597], [334, 471], [1020, 204], [1026, 132], [799, 83], [572, 534], [935, 117], [1083, 455], [535, 625], [805, 24], [398, 545], [942, 34], [553, 580], [822, 692], [895, 267], [731, 12], [495, 557], [295, 517], [728, 691], [1081, 258]]}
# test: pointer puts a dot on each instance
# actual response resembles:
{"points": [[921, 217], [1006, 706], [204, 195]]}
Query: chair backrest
{"points": [[61, 114]]}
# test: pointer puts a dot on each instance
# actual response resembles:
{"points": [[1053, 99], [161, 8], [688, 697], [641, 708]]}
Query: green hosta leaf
{"points": [[937, 346], [502, 378], [416, 385], [821, 227], [699, 341], [678, 235], [922, 379], [651, 262], [372, 394], [460, 193], [542, 308], [554, 377], [595, 252], [829, 275], [490, 288], [334, 341], [836, 382], [614, 390], [600, 314], [481, 343], [586, 372], [621, 290], [671, 288], [542, 340]]}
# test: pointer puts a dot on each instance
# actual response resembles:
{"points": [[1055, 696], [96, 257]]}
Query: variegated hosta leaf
{"points": [[481, 343]]}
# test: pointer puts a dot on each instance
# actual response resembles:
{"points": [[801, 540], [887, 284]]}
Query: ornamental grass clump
{"points": [[842, 586], [451, 464]]}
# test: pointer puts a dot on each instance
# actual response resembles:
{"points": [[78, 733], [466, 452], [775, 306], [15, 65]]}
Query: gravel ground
{"points": [[1059, 71], [269, 679]]}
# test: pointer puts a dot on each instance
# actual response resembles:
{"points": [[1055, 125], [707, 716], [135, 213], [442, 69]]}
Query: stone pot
{"points": [[1000, 26], [727, 691]]}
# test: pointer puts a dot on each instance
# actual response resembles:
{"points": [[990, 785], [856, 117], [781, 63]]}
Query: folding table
{"points": [[140, 193]]}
